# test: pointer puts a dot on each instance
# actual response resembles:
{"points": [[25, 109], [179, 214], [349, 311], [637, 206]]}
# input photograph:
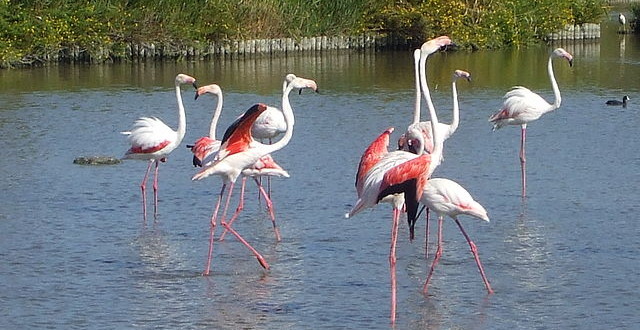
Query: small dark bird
{"points": [[622, 103]]}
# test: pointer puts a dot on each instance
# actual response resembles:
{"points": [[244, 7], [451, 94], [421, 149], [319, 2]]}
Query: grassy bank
{"points": [[37, 31]]}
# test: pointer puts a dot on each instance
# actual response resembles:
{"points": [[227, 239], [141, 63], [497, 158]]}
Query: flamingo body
{"points": [[448, 198], [151, 139]]}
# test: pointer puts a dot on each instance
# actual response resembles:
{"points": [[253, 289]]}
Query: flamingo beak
{"points": [[196, 95], [570, 62]]}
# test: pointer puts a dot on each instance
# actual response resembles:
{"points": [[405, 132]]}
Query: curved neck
{"points": [[287, 112], [216, 116], [416, 109], [554, 85], [455, 121], [182, 122], [436, 152]]}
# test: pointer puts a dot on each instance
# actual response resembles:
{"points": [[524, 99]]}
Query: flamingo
{"points": [[522, 106], [153, 140], [447, 197], [240, 151], [208, 146], [424, 127], [398, 178], [270, 124]]}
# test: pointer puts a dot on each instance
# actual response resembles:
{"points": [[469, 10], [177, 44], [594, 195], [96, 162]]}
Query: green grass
{"points": [[33, 32]]}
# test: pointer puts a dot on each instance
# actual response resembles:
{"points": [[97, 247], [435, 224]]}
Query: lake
{"points": [[76, 252]]}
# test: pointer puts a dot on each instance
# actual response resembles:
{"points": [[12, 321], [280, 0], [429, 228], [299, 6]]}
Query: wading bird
{"points": [[240, 151], [447, 198], [522, 106], [153, 140], [397, 178]]}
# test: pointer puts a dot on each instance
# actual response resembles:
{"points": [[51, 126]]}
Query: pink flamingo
{"points": [[522, 106], [397, 177], [207, 146], [447, 197], [153, 140], [268, 126], [421, 84], [240, 151]]}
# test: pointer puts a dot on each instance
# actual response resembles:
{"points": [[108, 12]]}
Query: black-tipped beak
{"points": [[300, 91], [195, 85], [571, 62], [196, 95]]}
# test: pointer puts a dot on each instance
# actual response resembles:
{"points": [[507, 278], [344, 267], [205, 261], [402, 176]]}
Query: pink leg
{"points": [[267, 199], [212, 231], [474, 250], [523, 159], [224, 224], [392, 262], [238, 209], [143, 185], [426, 239], [436, 258], [155, 191]]}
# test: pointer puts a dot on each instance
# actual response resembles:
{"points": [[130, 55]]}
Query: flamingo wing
{"points": [[238, 136], [409, 178], [149, 135], [203, 148], [521, 105], [376, 150], [448, 197]]}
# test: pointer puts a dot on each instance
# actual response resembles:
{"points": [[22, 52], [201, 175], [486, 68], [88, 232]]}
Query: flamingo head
{"points": [[461, 74], [186, 79], [435, 45], [560, 52], [302, 83], [211, 89]]}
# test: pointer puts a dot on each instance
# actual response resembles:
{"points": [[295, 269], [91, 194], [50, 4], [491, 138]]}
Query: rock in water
{"points": [[96, 160]]}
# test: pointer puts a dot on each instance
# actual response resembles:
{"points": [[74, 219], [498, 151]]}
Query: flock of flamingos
{"points": [[401, 177]]}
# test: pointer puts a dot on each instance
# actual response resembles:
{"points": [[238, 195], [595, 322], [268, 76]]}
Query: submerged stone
{"points": [[96, 160]]}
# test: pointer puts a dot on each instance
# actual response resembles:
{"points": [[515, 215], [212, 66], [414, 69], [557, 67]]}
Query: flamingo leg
{"points": [[224, 224], [474, 250], [212, 231], [426, 239], [267, 199], [436, 258], [392, 262], [523, 159], [238, 209], [143, 185], [155, 191]]}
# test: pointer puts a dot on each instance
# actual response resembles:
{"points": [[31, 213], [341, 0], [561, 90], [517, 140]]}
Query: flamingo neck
{"points": [[216, 116], [287, 112], [436, 153], [455, 121], [182, 122], [425, 88], [416, 109], [554, 85]]}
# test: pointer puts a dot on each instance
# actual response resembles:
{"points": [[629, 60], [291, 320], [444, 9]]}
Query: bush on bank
{"points": [[36, 31]]}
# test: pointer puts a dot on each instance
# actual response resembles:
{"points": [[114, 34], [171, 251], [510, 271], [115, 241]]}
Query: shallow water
{"points": [[77, 254]]}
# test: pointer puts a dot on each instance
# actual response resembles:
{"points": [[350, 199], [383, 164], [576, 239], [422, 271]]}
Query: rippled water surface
{"points": [[75, 252]]}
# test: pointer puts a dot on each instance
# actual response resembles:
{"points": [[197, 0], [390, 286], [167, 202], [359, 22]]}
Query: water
{"points": [[76, 254]]}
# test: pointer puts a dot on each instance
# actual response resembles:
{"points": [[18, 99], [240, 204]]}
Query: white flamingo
{"points": [[522, 106], [153, 140]]}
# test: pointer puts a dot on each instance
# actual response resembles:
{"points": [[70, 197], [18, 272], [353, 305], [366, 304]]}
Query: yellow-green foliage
{"points": [[33, 31]]}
